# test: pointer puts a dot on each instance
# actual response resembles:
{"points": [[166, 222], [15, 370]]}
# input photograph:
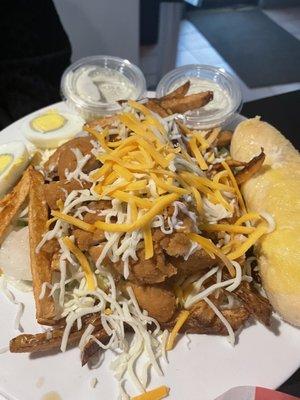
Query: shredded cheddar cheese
{"points": [[139, 201], [148, 242], [123, 172], [183, 316], [227, 228], [197, 154], [73, 221], [155, 394], [235, 185], [90, 277], [210, 247], [198, 200], [247, 217], [253, 237]]}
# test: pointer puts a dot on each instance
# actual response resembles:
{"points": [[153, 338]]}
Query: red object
{"points": [[267, 394]]}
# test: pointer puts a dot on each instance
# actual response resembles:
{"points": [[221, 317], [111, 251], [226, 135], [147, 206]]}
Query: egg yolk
{"points": [[5, 161], [48, 122]]}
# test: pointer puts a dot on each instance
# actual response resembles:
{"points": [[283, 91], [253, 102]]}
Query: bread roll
{"points": [[275, 189]]}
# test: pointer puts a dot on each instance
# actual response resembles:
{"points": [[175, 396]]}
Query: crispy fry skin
{"points": [[92, 347], [27, 343], [187, 103], [203, 320], [12, 202], [251, 168], [178, 93], [257, 305], [223, 139], [154, 106], [40, 262]]}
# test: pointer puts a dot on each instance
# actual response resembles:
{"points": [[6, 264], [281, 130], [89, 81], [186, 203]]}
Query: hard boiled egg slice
{"points": [[51, 128], [14, 159]]}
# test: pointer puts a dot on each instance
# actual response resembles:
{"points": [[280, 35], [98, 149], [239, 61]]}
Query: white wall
{"points": [[101, 27]]}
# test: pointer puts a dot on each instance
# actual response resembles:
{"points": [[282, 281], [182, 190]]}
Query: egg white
{"points": [[54, 138], [14, 170]]}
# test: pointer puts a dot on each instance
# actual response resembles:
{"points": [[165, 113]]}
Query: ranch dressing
{"points": [[102, 85], [221, 102]]}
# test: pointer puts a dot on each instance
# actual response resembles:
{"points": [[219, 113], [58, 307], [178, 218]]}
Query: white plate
{"points": [[207, 369]]}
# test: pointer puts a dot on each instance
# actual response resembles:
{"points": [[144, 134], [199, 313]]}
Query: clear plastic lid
{"points": [[227, 99], [92, 86]]}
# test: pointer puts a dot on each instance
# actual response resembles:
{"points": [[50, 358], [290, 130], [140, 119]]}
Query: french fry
{"points": [[92, 347], [28, 343], [154, 106], [223, 139], [40, 261], [178, 93], [250, 169], [187, 103], [12, 202]]}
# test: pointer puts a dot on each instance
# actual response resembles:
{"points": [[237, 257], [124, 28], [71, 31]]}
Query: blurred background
{"points": [[159, 35], [256, 40]]}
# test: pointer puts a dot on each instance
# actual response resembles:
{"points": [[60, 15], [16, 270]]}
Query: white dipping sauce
{"points": [[102, 85], [221, 102]]}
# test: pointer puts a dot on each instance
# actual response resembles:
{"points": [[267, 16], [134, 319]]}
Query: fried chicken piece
{"points": [[175, 244], [65, 158], [159, 301], [187, 103], [203, 320], [256, 304], [154, 270], [97, 206], [100, 122], [95, 252], [198, 261], [85, 240], [59, 190], [51, 246]]}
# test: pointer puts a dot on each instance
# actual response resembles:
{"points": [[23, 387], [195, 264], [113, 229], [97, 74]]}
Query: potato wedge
{"points": [[40, 261], [12, 202], [187, 103]]}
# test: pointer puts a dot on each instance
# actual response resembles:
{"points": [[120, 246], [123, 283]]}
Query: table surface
{"points": [[282, 111]]}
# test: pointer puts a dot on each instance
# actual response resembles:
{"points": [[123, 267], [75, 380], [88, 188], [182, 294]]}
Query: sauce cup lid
{"points": [[118, 67], [213, 78]]}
